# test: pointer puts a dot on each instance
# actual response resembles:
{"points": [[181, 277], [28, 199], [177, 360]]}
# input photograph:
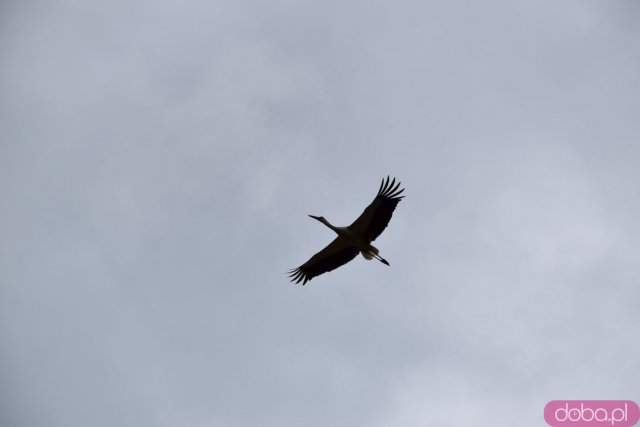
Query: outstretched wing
{"points": [[372, 222], [334, 255]]}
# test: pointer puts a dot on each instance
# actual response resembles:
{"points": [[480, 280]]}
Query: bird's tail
{"points": [[371, 253]]}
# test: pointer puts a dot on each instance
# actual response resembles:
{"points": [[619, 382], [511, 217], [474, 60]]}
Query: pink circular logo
{"points": [[591, 413]]}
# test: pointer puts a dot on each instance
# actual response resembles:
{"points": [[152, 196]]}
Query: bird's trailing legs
{"points": [[373, 254], [382, 260]]}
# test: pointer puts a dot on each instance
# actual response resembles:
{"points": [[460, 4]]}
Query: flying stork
{"points": [[355, 238]]}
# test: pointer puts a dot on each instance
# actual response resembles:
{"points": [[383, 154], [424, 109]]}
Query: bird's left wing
{"points": [[334, 255], [375, 218]]}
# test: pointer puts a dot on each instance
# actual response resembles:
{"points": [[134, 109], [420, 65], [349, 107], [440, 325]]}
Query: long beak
{"points": [[315, 217]]}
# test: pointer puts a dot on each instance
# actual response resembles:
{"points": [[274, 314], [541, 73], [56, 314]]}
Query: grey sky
{"points": [[158, 160]]}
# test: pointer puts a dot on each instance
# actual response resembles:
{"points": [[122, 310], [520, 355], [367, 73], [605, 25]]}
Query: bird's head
{"points": [[319, 218]]}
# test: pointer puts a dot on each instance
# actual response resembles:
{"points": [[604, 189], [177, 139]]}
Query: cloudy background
{"points": [[158, 160]]}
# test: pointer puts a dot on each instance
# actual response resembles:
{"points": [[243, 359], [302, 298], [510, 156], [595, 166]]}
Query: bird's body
{"points": [[354, 238], [347, 235]]}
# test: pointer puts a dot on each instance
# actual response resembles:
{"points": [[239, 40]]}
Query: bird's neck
{"points": [[331, 226], [338, 230]]}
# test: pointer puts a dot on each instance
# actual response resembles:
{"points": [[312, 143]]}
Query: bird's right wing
{"points": [[334, 255]]}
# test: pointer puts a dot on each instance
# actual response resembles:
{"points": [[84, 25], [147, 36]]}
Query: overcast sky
{"points": [[158, 160]]}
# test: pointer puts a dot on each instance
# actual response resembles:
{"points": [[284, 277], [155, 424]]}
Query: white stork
{"points": [[355, 238]]}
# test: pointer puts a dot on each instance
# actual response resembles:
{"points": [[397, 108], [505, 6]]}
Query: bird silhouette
{"points": [[355, 238]]}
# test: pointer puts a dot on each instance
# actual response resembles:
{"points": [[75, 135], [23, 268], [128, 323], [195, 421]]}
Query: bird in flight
{"points": [[355, 238]]}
